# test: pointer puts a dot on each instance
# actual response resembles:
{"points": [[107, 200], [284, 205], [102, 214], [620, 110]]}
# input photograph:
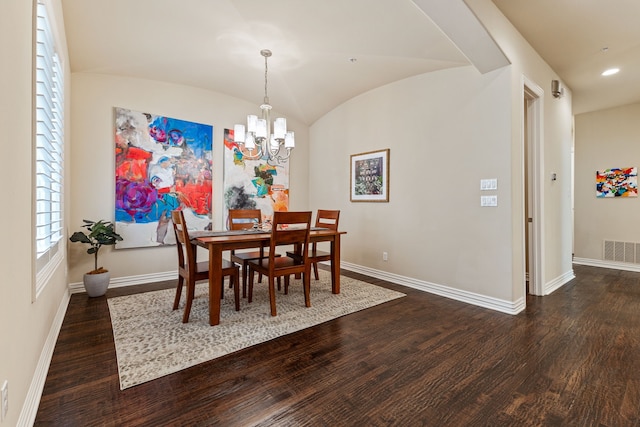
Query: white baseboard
{"points": [[558, 282], [607, 264], [120, 282], [34, 394], [444, 291], [502, 306]]}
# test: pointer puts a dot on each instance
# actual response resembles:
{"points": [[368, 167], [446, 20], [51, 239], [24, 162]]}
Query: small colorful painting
{"points": [[162, 164], [253, 184], [370, 176], [617, 182]]}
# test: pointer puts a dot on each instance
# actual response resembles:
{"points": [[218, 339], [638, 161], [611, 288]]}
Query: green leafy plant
{"points": [[100, 233]]}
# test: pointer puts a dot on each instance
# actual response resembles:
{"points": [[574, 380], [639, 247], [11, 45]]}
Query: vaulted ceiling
{"points": [[324, 52]]}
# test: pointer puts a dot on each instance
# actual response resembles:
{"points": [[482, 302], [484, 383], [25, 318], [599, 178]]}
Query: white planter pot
{"points": [[96, 284]]}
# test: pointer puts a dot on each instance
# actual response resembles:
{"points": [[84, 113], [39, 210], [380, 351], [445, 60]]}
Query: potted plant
{"points": [[99, 233]]}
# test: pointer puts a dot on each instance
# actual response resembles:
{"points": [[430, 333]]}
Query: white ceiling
{"points": [[571, 35], [215, 45]]}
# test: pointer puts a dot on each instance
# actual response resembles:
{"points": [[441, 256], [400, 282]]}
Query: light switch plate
{"points": [[488, 200], [489, 184]]}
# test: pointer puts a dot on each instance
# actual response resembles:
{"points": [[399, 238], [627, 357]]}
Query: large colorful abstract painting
{"points": [[162, 164], [253, 184], [617, 182]]}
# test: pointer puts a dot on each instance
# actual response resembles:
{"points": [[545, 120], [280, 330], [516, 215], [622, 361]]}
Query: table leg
{"points": [[215, 278], [335, 264]]}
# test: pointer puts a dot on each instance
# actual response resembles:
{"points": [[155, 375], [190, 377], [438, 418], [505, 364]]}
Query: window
{"points": [[49, 145]]}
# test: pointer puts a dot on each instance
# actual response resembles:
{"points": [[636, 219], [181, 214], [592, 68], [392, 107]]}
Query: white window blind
{"points": [[49, 156]]}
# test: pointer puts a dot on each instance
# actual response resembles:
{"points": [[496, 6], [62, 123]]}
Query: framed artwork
{"points": [[370, 176], [161, 164], [253, 184], [617, 182]]}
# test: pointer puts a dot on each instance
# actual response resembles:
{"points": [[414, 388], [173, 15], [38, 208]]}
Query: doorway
{"points": [[533, 169]]}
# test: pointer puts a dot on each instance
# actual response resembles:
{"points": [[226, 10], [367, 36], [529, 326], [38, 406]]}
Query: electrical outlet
{"points": [[385, 256], [4, 399]]}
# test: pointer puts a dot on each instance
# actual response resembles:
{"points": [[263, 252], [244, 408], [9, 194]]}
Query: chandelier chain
{"points": [[266, 96]]}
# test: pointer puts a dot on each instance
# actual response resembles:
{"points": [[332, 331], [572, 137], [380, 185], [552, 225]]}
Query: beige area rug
{"points": [[151, 341]]}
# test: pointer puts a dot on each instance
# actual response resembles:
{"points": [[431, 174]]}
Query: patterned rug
{"points": [[151, 340]]}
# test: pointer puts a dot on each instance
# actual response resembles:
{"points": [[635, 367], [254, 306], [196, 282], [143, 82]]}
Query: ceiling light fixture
{"points": [[258, 140], [610, 72]]}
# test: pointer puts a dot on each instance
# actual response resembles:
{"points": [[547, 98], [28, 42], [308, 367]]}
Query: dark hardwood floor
{"points": [[571, 359]]}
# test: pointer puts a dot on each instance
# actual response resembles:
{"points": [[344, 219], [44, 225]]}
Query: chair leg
{"points": [[306, 282], [245, 268], [191, 291], [286, 284], [236, 288], [272, 296], [250, 294], [176, 302], [315, 270]]}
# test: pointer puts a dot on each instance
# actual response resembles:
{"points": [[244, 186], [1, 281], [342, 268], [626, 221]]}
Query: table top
{"points": [[248, 235]]}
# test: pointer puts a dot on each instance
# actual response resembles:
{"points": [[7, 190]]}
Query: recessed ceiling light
{"points": [[610, 71]]}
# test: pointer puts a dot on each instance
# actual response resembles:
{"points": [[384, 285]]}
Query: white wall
{"points": [[446, 131], [93, 158], [25, 322], [604, 139]]}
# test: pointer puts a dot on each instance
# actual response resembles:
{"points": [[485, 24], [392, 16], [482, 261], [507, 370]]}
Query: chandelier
{"points": [[258, 140]]}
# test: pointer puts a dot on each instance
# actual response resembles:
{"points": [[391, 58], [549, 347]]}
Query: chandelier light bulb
{"points": [[261, 128], [252, 123], [238, 133], [274, 143], [280, 128], [289, 140], [250, 143]]}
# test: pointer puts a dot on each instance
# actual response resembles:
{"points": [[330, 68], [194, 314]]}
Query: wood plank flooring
{"points": [[571, 359]]}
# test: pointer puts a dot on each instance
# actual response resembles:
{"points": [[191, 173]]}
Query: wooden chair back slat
{"points": [[327, 219], [290, 228], [242, 219]]}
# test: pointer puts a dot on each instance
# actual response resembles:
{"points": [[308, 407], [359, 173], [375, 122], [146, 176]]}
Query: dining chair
{"points": [[288, 228], [243, 219], [324, 219], [192, 271]]}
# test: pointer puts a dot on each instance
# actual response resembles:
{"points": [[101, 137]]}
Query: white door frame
{"points": [[534, 96]]}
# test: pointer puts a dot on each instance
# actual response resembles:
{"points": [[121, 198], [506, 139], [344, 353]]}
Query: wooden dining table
{"points": [[219, 241]]}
